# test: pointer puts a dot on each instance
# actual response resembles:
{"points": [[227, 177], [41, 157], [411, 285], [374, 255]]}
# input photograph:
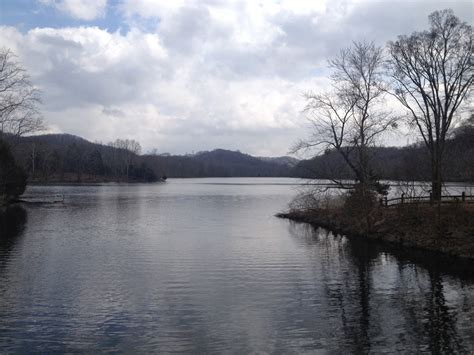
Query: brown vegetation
{"points": [[406, 225]]}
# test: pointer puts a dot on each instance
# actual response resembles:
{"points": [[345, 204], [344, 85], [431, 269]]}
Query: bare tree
{"points": [[19, 99], [432, 75], [130, 148], [350, 117]]}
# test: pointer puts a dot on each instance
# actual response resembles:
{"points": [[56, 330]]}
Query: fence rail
{"points": [[463, 198]]}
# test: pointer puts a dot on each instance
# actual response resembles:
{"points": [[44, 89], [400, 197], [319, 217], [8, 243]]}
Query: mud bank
{"points": [[449, 231]]}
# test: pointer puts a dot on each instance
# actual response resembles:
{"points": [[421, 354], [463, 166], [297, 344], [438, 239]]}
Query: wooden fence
{"points": [[463, 198]]}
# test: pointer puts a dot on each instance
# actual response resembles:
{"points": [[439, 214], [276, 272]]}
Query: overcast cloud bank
{"points": [[186, 76]]}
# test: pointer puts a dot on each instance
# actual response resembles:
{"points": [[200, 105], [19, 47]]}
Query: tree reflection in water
{"points": [[441, 325], [12, 223], [383, 298]]}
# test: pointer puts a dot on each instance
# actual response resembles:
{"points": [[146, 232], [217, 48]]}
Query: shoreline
{"points": [[416, 233], [90, 183]]}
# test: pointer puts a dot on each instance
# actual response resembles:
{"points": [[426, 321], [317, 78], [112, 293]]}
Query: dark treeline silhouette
{"points": [[12, 177], [68, 158], [409, 163], [219, 163]]}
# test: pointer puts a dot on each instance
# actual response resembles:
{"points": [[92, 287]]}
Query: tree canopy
{"points": [[432, 75]]}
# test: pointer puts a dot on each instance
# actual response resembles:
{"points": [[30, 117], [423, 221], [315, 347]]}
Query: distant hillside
{"points": [[58, 139], [287, 161], [217, 163], [64, 157], [400, 163], [68, 158]]}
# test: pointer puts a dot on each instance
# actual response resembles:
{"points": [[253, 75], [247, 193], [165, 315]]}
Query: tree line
{"points": [[408, 163], [67, 158]]}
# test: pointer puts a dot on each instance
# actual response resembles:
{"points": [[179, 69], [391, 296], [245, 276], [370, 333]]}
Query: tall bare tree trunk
{"points": [[433, 72], [436, 180]]}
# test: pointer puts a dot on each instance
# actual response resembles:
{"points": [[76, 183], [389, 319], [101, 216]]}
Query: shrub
{"points": [[360, 200]]}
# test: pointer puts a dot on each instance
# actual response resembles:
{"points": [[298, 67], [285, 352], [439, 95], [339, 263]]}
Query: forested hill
{"points": [[400, 163], [217, 163], [68, 158]]}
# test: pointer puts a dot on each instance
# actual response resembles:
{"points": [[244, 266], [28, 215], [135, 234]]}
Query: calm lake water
{"points": [[202, 265]]}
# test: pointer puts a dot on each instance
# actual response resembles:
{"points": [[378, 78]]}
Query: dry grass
{"points": [[445, 228]]}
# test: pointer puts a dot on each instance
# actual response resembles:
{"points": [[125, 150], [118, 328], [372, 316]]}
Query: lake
{"points": [[202, 265]]}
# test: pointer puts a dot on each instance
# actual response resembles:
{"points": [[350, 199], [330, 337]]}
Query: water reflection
{"points": [[207, 268], [384, 300], [12, 223]]}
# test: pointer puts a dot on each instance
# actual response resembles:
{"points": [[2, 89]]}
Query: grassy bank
{"points": [[448, 229]]}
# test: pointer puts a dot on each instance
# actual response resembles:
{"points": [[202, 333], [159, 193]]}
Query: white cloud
{"points": [[103, 85], [196, 75], [81, 9]]}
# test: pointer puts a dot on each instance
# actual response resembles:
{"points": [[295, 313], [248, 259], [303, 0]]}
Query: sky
{"points": [[186, 76]]}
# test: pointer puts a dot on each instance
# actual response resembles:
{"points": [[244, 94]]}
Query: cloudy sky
{"points": [[183, 76]]}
